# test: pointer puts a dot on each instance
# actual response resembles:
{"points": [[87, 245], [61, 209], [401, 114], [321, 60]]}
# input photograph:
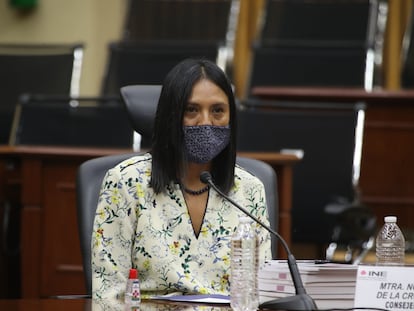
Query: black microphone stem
{"points": [[305, 302], [300, 289]]}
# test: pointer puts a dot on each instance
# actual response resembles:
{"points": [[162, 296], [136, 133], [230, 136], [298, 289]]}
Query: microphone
{"points": [[299, 302]]}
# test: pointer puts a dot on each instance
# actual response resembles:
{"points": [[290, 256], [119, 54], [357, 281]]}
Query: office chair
{"points": [[325, 181], [212, 36], [88, 184], [353, 233], [37, 69], [91, 173], [62, 120], [313, 43], [142, 100], [149, 62]]}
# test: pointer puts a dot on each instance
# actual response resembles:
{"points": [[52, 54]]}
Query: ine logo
{"points": [[373, 274]]}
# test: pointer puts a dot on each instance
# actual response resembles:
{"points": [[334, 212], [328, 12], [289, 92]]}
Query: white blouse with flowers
{"points": [[134, 227]]}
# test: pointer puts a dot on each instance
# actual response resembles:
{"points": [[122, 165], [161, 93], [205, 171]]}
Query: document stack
{"points": [[331, 285]]}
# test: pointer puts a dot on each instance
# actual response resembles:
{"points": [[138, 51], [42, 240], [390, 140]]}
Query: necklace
{"points": [[196, 192]]}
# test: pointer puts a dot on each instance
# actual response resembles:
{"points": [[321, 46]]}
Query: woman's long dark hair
{"points": [[168, 149]]}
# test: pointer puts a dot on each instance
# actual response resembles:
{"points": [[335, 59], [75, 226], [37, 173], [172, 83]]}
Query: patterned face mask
{"points": [[204, 142]]}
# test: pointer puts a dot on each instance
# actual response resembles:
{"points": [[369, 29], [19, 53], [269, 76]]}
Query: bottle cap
{"points": [[133, 273], [390, 219]]}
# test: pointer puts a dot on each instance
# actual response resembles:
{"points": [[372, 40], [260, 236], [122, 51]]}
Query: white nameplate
{"points": [[385, 287]]}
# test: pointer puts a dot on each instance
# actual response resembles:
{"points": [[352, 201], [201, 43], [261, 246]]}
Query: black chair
{"points": [[319, 43], [149, 62], [190, 20], [88, 184], [311, 66], [267, 175], [353, 234], [37, 69], [142, 100], [71, 121], [185, 24], [189, 29], [328, 136]]}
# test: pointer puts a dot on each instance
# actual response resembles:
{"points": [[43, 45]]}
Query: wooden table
{"points": [[86, 305], [43, 179], [387, 166]]}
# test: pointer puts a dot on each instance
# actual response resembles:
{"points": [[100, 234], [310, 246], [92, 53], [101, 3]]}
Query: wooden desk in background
{"points": [[43, 179], [331, 94], [387, 166]]}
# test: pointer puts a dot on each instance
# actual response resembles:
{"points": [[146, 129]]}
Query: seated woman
{"points": [[154, 213]]}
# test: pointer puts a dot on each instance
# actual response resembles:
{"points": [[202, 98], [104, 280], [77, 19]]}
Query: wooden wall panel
{"points": [[61, 266], [387, 168]]}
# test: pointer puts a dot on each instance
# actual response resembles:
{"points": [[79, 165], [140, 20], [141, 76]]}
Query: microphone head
{"points": [[205, 177]]}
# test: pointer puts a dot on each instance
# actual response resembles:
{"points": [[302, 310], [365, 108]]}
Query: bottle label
{"points": [[136, 294]]}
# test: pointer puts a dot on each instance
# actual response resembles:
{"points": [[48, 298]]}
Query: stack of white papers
{"points": [[331, 285]]}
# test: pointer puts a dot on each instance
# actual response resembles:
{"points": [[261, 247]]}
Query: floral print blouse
{"points": [[134, 227]]}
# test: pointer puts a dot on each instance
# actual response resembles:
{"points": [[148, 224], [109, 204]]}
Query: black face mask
{"points": [[204, 142]]}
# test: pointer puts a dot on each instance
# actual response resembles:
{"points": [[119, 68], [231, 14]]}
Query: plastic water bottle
{"points": [[132, 292], [244, 267], [390, 244]]}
